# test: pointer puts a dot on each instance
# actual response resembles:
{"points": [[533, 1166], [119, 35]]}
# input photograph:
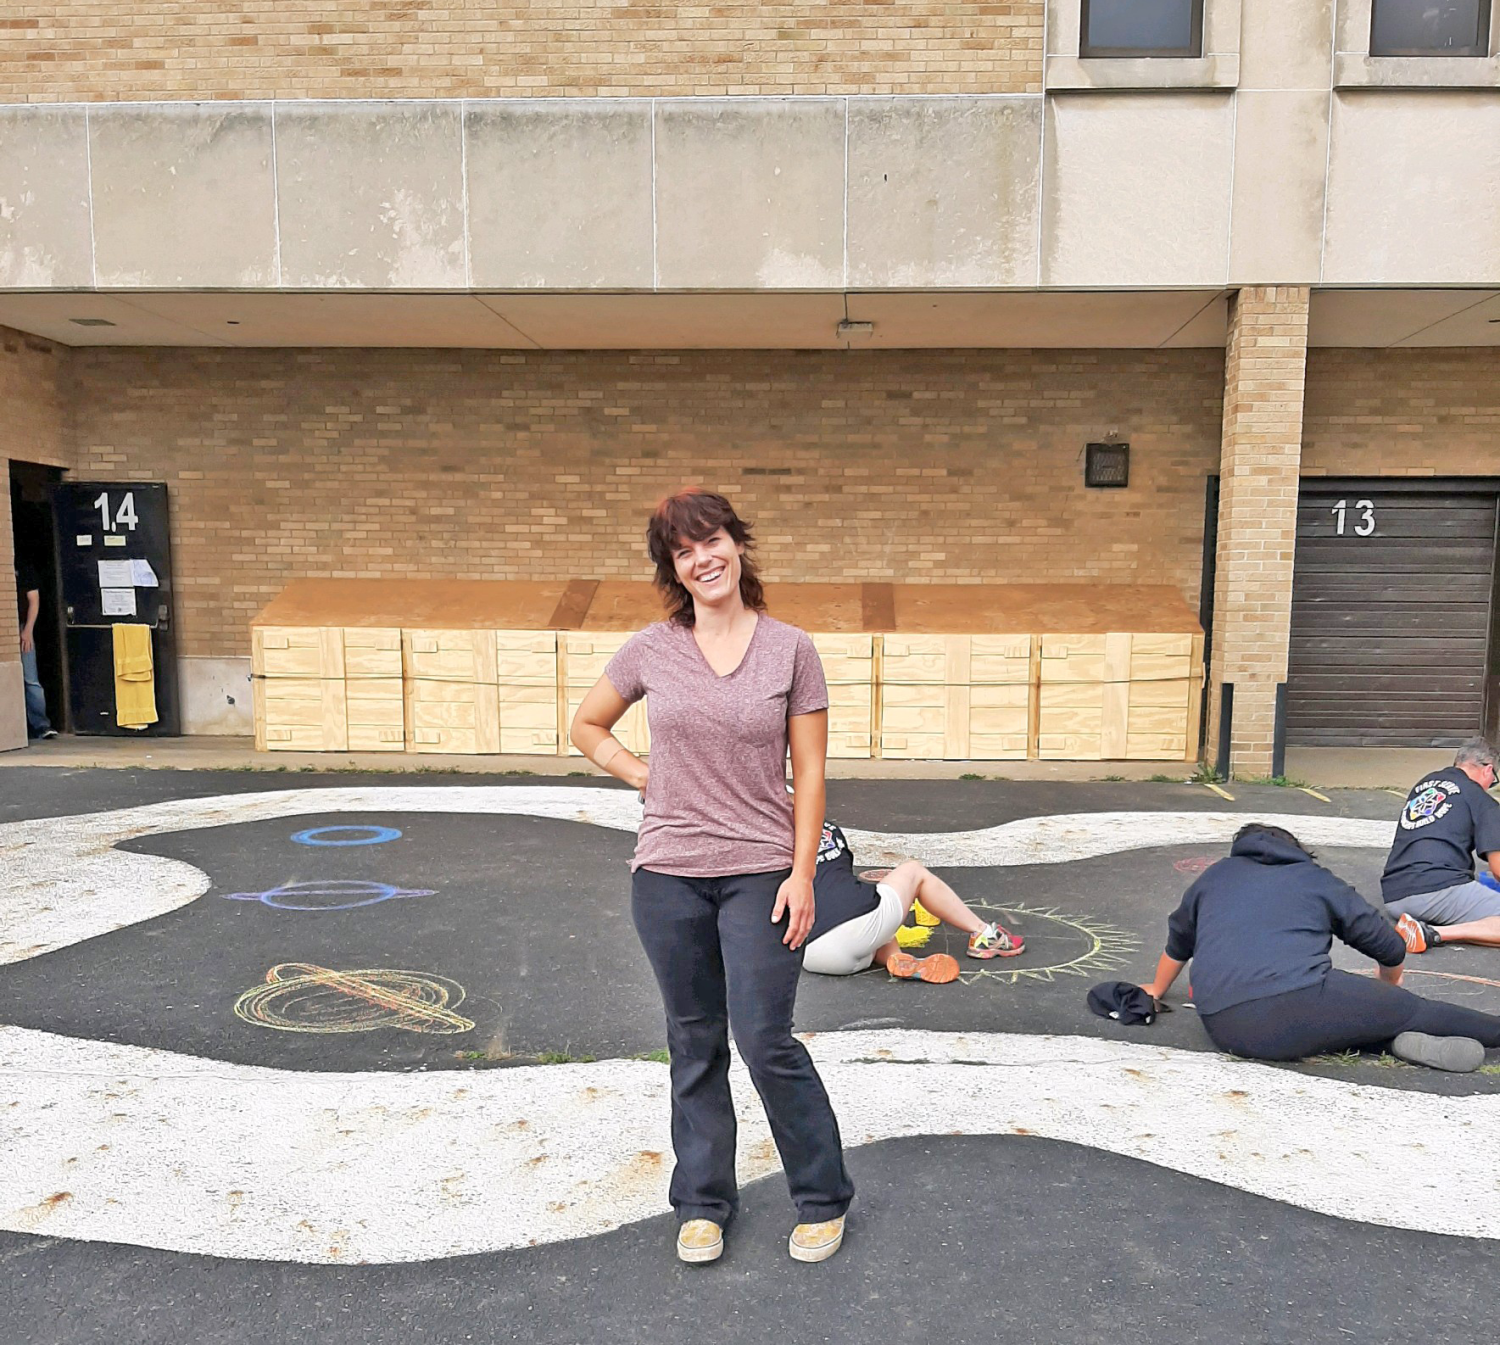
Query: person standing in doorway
{"points": [[28, 593], [722, 882]]}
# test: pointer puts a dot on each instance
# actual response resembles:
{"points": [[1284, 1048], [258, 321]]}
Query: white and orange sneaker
{"points": [[1417, 934], [938, 969]]}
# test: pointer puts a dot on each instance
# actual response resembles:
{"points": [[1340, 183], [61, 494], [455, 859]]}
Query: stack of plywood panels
{"points": [[617, 609], [1119, 696], [962, 672], [837, 617], [327, 689], [957, 674], [452, 691], [956, 697]]}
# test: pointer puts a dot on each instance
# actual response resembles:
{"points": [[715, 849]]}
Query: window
{"points": [[1430, 28], [1141, 28]]}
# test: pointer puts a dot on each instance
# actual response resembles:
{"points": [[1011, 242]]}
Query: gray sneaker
{"points": [[1459, 1055]]}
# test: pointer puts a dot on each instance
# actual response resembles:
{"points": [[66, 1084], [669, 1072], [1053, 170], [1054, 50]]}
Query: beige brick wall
{"points": [[78, 50], [1402, 413], [905, 465], [1262, 438]]}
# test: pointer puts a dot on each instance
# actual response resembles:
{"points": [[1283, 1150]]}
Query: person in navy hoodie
{"points": [[1257, 928]]}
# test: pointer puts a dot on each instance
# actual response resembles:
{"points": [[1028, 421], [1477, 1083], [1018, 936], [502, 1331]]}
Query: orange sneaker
{"points": [[1416, 934], [938, 969]]}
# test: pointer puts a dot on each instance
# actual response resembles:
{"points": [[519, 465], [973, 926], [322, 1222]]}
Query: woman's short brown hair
{"points": [[694, 514]]}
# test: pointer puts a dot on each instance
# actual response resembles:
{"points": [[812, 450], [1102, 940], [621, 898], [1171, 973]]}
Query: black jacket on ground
{"points": [[1262, 921]]}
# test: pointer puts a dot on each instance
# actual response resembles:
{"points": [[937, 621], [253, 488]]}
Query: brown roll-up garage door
{"points": [[1392, 614]]}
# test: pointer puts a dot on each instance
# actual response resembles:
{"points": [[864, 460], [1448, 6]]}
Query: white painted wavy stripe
{"points": [[122, 1144], [62, 880]]}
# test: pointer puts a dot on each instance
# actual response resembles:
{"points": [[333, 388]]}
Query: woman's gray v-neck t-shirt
{"points": [[716, 798]]}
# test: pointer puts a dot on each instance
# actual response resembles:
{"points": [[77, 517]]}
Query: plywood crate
{"points": [[326, 714], [325, 651], [849, 668], [375, 712], [448, 716], [582, 657], [527, 683], [451, 655], [1119, 696], [452, 695], [300, 714], [956, 697]]}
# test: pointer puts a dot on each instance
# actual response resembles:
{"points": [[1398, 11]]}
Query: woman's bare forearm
{"points": [[808, 735], [591, 732], [1167, 971]]}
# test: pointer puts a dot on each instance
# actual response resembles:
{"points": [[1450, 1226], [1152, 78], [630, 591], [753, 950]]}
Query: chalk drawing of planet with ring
{"points": [[302, 997], [346, 835], [329, 894]]}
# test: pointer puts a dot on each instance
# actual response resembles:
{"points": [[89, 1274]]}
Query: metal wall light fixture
{"points": [[1106, 464]]}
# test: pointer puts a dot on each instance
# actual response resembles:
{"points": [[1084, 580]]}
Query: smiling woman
{"points": [[724, 856]]}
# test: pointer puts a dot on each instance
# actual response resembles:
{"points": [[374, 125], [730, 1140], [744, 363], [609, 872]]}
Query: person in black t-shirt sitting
{"points": [[1258, 926], [1429, 883], [855, 924]]}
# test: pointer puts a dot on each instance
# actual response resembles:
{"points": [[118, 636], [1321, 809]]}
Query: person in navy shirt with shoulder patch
{"points": [[1258, 927], [1429, 884]]}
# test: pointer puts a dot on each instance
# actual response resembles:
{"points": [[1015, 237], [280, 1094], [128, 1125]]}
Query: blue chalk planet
{"points": [[328, 894]]}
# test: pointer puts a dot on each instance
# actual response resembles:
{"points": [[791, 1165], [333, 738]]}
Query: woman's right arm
{"points": [[590, 734]]}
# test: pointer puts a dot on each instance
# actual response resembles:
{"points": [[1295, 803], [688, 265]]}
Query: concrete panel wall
{"points": [[371, 196], [183, 196], [1137, 185], [45, 231], [750, 196], [560, 195], [1414, 189], [1123, 189], [943, 192]]}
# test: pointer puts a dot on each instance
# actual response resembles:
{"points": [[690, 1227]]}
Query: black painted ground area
{"points": [[960, 1239], [529, 919], [968, 1239]]}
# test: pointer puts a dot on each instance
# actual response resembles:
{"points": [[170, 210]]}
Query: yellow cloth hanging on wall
{"points": [[135, 677]]}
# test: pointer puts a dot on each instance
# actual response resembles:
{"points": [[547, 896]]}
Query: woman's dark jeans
{"points": [[1340, 1013], [720, 962]]}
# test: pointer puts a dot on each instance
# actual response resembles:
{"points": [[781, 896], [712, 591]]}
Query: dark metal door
{"points": [[1392, 608], [114, 556]]}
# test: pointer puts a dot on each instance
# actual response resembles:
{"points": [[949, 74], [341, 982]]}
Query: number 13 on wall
{"points": [[1364, 520], [124, 517]]}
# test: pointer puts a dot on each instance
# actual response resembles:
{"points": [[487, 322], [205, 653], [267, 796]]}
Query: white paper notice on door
{"points": [[142, 575], [118, 601], [116, 574]]}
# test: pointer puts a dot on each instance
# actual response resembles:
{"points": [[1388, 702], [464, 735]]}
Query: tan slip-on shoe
{"points": [[700, 1241], [816, 1242]]}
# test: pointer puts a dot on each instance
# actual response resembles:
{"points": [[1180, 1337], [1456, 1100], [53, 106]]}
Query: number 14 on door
{"points": [[124, 516]]}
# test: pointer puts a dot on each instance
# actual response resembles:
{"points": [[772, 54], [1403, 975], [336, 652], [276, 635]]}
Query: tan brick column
{"points": [[1264, 364]]}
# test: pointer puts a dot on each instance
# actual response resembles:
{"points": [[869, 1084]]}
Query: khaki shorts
{"points": [[850, 947]]}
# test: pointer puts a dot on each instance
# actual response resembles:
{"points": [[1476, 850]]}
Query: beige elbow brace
{"points": [[607, 751]]}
